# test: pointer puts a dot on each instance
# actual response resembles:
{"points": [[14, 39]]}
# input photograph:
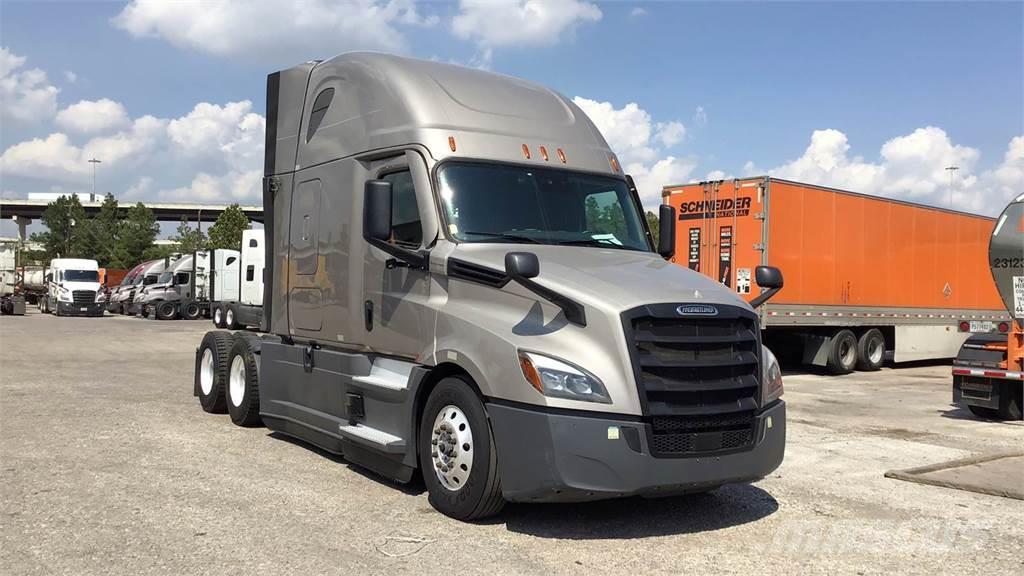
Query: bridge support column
{"points": [[22, 223]]}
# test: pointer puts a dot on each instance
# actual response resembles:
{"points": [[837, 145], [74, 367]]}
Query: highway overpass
{"points": [[23, 212]]}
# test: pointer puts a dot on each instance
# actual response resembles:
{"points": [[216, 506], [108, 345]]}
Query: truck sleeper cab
{"points": [[459, 279], [239, 304]]}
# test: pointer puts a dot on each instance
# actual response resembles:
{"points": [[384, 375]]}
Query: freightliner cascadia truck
{"points": [[460, 281], [988, 373], [869, 279]]}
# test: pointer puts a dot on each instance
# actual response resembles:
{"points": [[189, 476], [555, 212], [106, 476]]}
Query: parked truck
{"points": [[988, 373], [73, 288], [12, 297], [245, 308], [868, 278], [150, 275], [194, 285], [439, 297], [118, 293]]}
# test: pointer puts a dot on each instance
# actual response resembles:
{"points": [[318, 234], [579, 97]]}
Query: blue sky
{"points": [[872, 97]]}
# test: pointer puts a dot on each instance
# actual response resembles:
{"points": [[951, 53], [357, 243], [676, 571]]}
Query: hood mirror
{"points": [[768, 277], [520, 265]]}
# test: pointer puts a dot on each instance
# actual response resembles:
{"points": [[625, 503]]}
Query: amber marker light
{"points": [[526, 151], [530, 372], [614, 162], [451, 143], [544, 153], [561, 155]]}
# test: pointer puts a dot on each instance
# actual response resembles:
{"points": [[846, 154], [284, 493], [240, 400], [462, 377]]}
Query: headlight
{"points": [[771, 377], [559, 379], [64, 295]]}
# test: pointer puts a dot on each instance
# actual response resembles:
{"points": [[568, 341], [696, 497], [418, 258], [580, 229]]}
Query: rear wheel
{"points": [[457, 454], [842, 358], [218, 317], [243, 392], [212, 370], [190, 311], [870, 350], [229, 318]]}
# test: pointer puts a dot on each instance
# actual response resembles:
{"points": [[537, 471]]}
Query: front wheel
{"points": [[166, 311], [457, 454]]}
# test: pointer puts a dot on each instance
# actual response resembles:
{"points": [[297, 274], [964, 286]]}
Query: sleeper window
{"points": [[250, 273], [319, 110], [405, 216]]}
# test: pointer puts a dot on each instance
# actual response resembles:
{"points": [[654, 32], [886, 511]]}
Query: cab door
{"points": [[396, 317]]}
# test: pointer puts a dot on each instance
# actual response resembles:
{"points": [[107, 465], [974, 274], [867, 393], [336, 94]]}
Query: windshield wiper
{"points": [[601, 243], [504, 236]]}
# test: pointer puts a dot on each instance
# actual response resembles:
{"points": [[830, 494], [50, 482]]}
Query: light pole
{"points": [[94, 162], [951, 170]]}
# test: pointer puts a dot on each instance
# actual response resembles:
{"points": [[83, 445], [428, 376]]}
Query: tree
{"points": [[98, 237], [652, 223], [189, 239], [226, 232], [137, 232], [61, 217]]}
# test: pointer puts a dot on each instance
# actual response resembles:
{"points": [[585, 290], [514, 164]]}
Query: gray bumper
{"points": [[72, 309], [545, 457]]}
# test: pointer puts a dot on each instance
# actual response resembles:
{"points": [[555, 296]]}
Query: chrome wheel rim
{"points": [[206, 372], [236, 381], [451, 448], [846, 353], [217, 316], [875, 351], [230, 318]]}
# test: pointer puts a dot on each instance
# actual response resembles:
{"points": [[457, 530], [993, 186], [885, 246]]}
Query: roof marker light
{"points": [[544, 153], [561, 155], [451, 143], [526, 151], [614, 163]]}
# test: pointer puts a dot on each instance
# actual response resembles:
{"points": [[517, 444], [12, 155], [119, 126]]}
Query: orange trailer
{"points": [[866, 278]]}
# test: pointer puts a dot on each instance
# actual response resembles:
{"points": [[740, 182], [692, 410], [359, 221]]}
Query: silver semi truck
{"points": [[459, 280]]}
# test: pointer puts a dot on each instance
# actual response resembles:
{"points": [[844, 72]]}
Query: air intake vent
{"points": [[476, 273]]}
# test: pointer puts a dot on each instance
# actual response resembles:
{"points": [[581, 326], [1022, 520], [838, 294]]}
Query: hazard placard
{"points": [[1018, 296]]}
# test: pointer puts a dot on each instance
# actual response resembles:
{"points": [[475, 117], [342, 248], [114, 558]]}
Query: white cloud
{"points": [[281, 29], [93, 116], [671, 133], [638, 11], [641, 148], [700, 116], [910, 167], [70, 77], [495, 23], [25, 95], [219, 149]]}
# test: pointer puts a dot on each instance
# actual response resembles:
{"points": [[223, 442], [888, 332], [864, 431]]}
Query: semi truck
{"points": [[439, 297], [12, 298], [988, 373], [869, 279], [194, 285], [245, 307], [150, 275], [73, 288], [118, 293]]}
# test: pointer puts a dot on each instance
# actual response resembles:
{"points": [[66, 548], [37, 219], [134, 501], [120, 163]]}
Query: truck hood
{"points": [[92, 286], [610, 278]]}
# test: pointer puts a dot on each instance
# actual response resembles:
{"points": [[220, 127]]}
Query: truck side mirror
{"points": [[377, 210], [519, 265], [666, 231], [768, 277]]}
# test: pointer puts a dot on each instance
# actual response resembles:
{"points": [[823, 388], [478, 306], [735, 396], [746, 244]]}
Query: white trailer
{"points": [[246, 308], [12, 300]]}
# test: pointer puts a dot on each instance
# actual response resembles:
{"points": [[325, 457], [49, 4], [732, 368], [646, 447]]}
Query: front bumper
{"points": [[73, 309], [547, 457]]}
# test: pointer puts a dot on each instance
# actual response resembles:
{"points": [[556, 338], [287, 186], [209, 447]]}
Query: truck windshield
{"points": [[165, 277], [81, 276], [520, 204]]}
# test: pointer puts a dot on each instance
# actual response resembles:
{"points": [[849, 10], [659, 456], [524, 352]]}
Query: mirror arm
{"points": [[402, 258], [763, 297], [573, 310]]}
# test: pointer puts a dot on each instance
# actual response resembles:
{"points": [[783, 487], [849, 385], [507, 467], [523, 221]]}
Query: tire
{"points": [[191, 311], [229, 318], [243, 391], [218, 317], [211, 373], [454, 404], [1010, 397], [871, 350], [166, 310], [842, 356]]}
